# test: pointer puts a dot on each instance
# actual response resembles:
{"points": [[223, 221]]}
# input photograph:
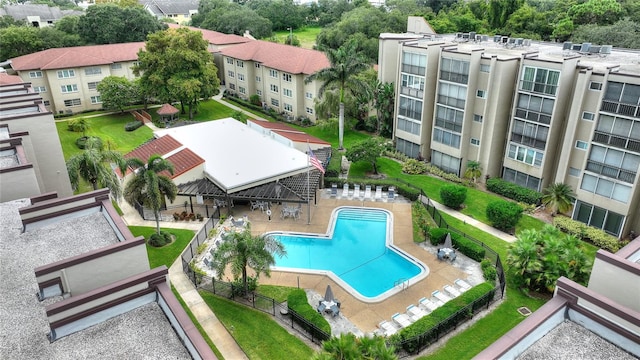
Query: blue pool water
{"points": [[356, 252]]}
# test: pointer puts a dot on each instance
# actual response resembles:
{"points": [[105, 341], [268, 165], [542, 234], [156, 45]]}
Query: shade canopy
{"points": [[328, 294]]}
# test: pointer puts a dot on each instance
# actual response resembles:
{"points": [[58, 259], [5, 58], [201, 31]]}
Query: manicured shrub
{"points": [[437, 235], [81, 142], [513, 191], [488, 270], [468, 247], [158, 240], [588, 233], [133, 125], [414, 167], [453, 196], [504, 215], [297, 301]]}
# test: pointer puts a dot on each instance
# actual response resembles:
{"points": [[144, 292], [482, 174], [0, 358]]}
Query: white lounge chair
{"points": [[401, 319], [356, 191], [463, 285], [345, 190], [367, 192], [387, 328], [391, 193], [440, 296], [427, 304], [378, 196], [451, 291], [334, 190], [416, 313]]}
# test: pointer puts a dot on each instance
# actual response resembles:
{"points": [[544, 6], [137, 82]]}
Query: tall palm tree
{"points": [[242, 250], [474, 170], [345, 63], [94, 166], [558, 197], [149, 187]]}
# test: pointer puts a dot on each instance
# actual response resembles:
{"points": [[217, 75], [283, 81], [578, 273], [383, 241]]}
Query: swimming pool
{"points": [[357, 252]]}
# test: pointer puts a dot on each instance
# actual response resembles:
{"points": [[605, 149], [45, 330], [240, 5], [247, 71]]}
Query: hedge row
{"points": [[401, 189], [588, 233], [297, 301], [513, 191], [133, 125], [444, 318], [461, 243]]}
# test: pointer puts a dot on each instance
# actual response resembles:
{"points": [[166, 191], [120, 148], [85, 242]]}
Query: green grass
{"points": [[306, 35], [279, 293], [197, 324], [210, 110], [167, 254], [108, 128], [259, 336]]}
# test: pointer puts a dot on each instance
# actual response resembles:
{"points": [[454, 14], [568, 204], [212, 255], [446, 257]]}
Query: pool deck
{"points": [[363, 315]]}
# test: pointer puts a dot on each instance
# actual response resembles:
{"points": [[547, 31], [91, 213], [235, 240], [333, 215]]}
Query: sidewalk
{"points": [[473, 222]]}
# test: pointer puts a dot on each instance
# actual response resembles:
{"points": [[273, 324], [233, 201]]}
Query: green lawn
{"points": [[167, 254], [306, 35], [210, 110], [259, 336]]}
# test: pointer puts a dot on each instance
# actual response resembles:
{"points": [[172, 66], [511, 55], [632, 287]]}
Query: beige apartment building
{"points": [[531, 113], [276, 73]]}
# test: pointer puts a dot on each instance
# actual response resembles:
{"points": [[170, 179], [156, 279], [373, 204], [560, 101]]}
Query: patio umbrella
{"points": [[447, 241], [328, 294]]}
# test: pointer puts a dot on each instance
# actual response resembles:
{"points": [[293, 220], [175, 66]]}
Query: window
{"points": [[589, 116], [46, 103], [308, 95], [605, 187], [525, 155], [475, 142], [257, 65], [540, 80], [242, 90], [93, 71], [485, 68], [452, 94], [240, 63], [613, 163], [581, 145], [477, 118], [454, 70], [96, 99], [40, 89], [288, 107], [232, 86], [63, 74], [445, 162], [414, 63], [594, 85], [520, 178], [93, 85], [72, 102], [597, 217], [309, 110], [230, 61], [259, 92], [286, 77], [273, 73], [411, 108], [230, 74], [116, 66], [273, 88], [408, 125], [574, 172], [287, 92], [69, 88], [449, 118], [35, 74], [408, 148], [275, 102], [412, 85], [534, 108], [446, 137], [481, 94], [258, 79], [240, 77], [529, 134]]}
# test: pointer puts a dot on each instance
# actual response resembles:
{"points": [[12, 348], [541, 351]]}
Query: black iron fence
{"points": [[168, 212], [192, 249]]}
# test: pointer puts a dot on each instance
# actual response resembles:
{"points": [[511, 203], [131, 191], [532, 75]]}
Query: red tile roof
{"points": [[167, 109], [281, 57], [6, 79], [214, 37], [273, 125], [159, 146], [78, 56], [183, 161], [301, 137]]}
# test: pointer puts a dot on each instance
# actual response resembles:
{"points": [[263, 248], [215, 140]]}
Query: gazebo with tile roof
{"points": [[167, 112]]}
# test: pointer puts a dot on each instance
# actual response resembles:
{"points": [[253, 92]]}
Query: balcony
{"points": [[617, 141], [416, 93], [611, 171], [454, 77], [528, 141], [538, 87], [620, 108], [413, 69], [450, 101], [533, 116]]}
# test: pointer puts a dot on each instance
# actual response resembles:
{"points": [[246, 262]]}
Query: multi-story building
{"points": [[276, 73], [179, 11], [532, 113]]}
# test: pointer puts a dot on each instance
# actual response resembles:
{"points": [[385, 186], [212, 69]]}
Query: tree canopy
{"points": [[368, 150], [22, 40], [116, 92], [176, 65], [112, 24]]}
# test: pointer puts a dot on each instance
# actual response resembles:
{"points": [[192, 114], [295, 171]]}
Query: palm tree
{"points": [[474, 170], [242, 250], [558, 197], [347, 346], [148, 187], [345, 62], [94, 166]]}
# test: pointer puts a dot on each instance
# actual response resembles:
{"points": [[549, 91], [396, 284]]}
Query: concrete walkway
{"points": [[473, 222]]}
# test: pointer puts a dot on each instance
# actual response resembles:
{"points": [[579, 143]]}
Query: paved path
{"points": [[473, 222]]}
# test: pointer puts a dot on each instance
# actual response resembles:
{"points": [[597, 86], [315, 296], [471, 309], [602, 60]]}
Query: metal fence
{"points": [[192, 249]]}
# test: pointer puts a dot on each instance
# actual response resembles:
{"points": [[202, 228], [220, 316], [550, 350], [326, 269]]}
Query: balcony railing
{"points": [[413, 69], [405, 90], [620, 108], [611, 171], [617, 141], [449, 125], [528, 141], [447, 100], [454, 77], [412, 114], [533, 116], [537, 87]]}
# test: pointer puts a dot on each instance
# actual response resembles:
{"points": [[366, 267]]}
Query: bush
{"points": [[588, 233], [504, 215], [81, 142], [158, 240], [453, 195], [414, 167], [437, 235], [255, 100], [133, 125], [488, 270], [513, 191], [468, 247], [237, 287], [297, 301]]}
